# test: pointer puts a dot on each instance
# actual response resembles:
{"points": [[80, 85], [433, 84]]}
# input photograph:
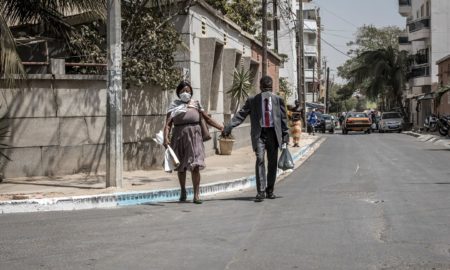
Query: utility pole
{"points": [[313, 82], [301, 93], [327, 91], [275, 25], [319, 53], [114, 152], [264, 37]]}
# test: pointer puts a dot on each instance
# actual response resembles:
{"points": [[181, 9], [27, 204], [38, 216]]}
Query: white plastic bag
{"points": [[170, 159]]}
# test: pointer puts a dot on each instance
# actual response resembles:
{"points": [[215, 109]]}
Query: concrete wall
{"points": [[444, 79], [57, 126]]}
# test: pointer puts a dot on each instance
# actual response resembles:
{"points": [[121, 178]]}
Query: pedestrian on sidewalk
{"points": [[269, 131], [295, 115], [184, 115]]}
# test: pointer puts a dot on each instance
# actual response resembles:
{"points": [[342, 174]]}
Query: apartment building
{"points": [[427, 39], [287, 41]]}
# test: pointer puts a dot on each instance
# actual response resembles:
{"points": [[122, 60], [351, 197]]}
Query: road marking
{"points": [[357, 168]]}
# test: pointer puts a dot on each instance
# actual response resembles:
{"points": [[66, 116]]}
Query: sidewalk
{"points": [[430, 138], [222, 174]]}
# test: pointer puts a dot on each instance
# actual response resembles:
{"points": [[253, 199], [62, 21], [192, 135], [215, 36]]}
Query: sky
{"points": [[341, 18]]}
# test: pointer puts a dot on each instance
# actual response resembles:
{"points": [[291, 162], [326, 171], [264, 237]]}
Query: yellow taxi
{"points": [[356, 121]]}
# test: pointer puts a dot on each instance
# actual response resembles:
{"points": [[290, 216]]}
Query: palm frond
{"points": [[10, 63]]}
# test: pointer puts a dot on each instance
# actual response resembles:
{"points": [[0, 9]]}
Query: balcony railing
{"points": [[419, 25], [423, 71], [404, 2]]}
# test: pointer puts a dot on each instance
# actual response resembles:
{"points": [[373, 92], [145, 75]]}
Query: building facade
{"points": [[287, 46], [442, 105], [427, 40]]}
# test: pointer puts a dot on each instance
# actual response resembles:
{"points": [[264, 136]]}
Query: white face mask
{"points": [[185, 97]]}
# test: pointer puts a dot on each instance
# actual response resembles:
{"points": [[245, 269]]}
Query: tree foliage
{"points": [[242, 85], [48, 15], [377, 68], [149, 43], [245, 13], [383, 72], [368, 38]]}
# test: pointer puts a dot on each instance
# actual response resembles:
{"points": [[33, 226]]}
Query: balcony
{"points": [[420, 75], [310, 50], [419, 29], [404, 7], [403, 42], [309, 75]]}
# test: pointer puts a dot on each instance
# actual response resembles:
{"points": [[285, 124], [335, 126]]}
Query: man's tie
{"points": [[266, 113]]}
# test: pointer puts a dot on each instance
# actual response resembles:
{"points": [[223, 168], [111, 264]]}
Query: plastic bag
{"points": [[285, 162], [170, 160]]}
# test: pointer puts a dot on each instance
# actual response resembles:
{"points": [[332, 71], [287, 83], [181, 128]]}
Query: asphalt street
{"points": [[378, 201]]}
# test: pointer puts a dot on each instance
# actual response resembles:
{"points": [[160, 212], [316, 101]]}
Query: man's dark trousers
{"points": [[266, 142]]}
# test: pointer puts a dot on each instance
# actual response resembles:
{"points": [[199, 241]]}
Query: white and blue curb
{"points": [[136, 197]]}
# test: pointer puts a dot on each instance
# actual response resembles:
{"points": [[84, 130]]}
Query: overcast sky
{"points": [[341, 18]]}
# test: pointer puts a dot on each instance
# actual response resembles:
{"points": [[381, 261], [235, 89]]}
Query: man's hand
{"points": [[284, 146], [226, 131]]}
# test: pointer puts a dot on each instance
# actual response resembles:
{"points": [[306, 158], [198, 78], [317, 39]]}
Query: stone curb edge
{"points": [[429, 138], [135, 197]]}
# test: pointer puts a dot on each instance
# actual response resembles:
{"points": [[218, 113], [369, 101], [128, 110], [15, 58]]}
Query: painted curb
{"points": [[136, 197]]}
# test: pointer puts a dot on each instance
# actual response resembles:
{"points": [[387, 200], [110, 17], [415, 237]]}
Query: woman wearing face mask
{"points": [[186, 137]]}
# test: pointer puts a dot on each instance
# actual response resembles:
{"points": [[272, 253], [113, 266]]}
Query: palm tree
{"points": [[47, 14], [242, 85], [382, 73]]}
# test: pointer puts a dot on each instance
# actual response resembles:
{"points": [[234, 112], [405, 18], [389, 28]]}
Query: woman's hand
{"points": [[166, 142]]}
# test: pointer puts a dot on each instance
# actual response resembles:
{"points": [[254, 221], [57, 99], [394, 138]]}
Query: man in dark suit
{"points": [[269, 131]]}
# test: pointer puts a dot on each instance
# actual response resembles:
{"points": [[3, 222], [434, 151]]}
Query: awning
{"points": [[426, 97]]}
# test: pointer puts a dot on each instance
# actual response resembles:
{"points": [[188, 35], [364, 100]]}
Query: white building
{"points": [[427, 38], [287, 46]]}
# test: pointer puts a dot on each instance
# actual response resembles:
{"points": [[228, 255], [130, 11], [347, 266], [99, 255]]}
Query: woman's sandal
{"points": [[183, 197], [197, 201]]}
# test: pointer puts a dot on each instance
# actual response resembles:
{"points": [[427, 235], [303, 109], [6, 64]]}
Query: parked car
{"points": [[390, 121], [356, 121], [326, 123]]}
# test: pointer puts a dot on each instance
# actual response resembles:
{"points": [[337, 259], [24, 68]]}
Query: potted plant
{"points": [[226, 144], [242, 85]]}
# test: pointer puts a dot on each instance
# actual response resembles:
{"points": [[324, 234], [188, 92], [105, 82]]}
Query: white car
{"points": [[390, 121]]}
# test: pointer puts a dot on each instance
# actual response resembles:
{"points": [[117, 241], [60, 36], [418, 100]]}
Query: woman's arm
{"points": [[167, 128], [211, 121]]}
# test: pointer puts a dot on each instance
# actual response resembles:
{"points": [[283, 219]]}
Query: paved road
{"points": [[378, 201]]}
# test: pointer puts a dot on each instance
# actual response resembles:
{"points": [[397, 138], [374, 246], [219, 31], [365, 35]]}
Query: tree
{"points": [[149, 43], [384, 72], [48, 15], [245, 13], [368, 38]]}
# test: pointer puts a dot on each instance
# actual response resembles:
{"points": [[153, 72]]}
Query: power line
{"points": [[338, 16], [321, 38]]}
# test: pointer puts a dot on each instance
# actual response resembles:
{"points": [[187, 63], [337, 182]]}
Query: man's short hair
{"points": [[265, 83]]}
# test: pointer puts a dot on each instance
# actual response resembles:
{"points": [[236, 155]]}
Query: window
{"points": [[428, 9], [422, 11]]}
